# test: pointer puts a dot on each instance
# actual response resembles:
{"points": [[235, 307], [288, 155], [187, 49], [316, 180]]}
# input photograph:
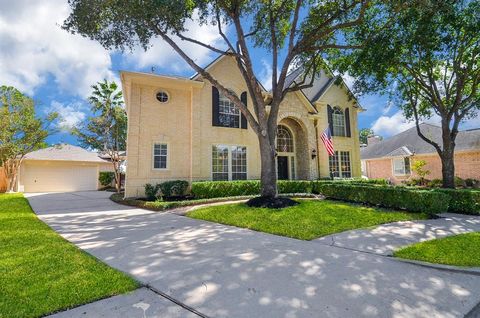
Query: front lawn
{"points": [[308, 220], [40, 272], [459, 250]]}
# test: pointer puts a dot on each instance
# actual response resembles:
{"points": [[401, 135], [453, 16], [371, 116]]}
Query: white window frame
{"points": [[223, 99], [337, 111], [338, 156], [394, 172], [229, 165], [167, 156]]}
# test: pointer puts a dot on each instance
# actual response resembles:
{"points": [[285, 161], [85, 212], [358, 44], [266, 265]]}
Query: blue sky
{"points": [[57, 68]]}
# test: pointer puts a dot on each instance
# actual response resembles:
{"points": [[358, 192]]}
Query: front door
{"points": [[282, 167]]}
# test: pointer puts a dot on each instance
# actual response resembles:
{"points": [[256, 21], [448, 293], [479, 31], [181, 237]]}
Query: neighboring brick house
{"points": [[392, 158], [182, 128]]}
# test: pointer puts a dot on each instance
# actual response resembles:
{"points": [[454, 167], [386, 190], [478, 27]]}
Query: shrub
{"points": [[471, 183], [218, 189], [294, 186], [391, 197], [172, 188], [462, 201], [106, 178], [151, 191], [418, 168], [459, 182], [435, 183]]}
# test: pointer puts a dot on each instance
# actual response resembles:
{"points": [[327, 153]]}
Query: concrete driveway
{"points": [[223, 271]]}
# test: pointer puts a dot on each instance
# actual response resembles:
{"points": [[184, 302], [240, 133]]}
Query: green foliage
{"points": [[435, 183], [391, 197], [217, 189], [458, 250], [41, 272], [106, 178], [472, 183], [459, 182], [172, 188], [462, 201], [418, 167], [308, 220], [106, 129], [363, 135], [151, 191], [294, 186], [21, 131]]}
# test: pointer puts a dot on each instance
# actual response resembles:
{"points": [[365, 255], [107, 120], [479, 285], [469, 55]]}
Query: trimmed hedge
{"points": [[218, 189], [390, 197], [462, 201]]}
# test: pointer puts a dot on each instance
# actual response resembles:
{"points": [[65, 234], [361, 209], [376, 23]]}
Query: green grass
{"points": [[40, 272], [459, 250], [308, 220]]}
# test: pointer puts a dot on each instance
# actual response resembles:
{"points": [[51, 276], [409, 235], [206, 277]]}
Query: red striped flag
{"points": [[327, 141]]}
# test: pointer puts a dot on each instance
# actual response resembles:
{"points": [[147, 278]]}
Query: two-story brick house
{"points": [[182, 128]]}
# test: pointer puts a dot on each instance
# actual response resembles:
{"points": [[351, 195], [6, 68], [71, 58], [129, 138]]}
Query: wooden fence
{"points": [[3, 181]]}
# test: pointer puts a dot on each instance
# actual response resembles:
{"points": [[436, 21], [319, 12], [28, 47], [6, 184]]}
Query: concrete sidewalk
{"points": [[224, 271], [385, 239]]}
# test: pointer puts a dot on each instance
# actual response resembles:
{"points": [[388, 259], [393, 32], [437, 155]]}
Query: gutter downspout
{"points": [[318, 148]]}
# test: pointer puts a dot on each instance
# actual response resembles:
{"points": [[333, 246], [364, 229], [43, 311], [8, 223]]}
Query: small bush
{"points": [[462, 201], [435, 183], [151, 191], [391, 197], [459, 182], [106, 178], [172, 188], [471, 183]]}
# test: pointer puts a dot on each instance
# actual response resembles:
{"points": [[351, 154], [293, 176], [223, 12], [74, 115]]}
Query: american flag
{"points": [[327, 141]]}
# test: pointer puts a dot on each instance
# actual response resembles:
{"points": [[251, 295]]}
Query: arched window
{"points": [[338, 118], [284, 139]]}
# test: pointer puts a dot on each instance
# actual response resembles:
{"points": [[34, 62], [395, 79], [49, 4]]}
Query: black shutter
{"points": [[243, 124], [347, 122], [330, 118], [215, 107]]}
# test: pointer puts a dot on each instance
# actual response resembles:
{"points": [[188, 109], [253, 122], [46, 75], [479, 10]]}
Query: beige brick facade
{"points": [[184, 123], [467, 165]]}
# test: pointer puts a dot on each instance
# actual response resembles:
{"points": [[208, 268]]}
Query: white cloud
{"points": [[265, 76], [70, 115], [33, 47], [387, 126], [161, 54]]}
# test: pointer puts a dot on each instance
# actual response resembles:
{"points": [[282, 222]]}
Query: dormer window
{"points": [[162, 97]]}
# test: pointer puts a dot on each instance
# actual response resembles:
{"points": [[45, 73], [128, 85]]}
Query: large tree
{"points": [[106, 130], [428, 58], [292, 32], [21, 131]]}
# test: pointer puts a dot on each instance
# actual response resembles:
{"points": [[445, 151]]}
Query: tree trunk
{"points": [[448, 167], [11, 171], [447, 157], [268, 168], [118, 181]]}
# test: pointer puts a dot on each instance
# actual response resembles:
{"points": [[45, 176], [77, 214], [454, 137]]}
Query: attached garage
{"points": [[64, 168]]}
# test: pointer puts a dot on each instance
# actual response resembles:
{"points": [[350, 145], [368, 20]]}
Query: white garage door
{"points": [[58, 177]]}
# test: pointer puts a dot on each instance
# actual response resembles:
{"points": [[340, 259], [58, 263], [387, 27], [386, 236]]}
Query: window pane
{"points": [[284, 139], [239, 163], [292, 167], [220, 162], [229, 114], [399, 166], [160, 156], [334, 165], [345, 164], [338, 119]]}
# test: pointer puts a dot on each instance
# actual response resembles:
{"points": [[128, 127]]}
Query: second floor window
{"points": [[228, 113], [338, 118]]}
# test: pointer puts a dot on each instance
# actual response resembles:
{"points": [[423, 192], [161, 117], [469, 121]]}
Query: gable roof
{"points": [[408, 142], [65, 152]]}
